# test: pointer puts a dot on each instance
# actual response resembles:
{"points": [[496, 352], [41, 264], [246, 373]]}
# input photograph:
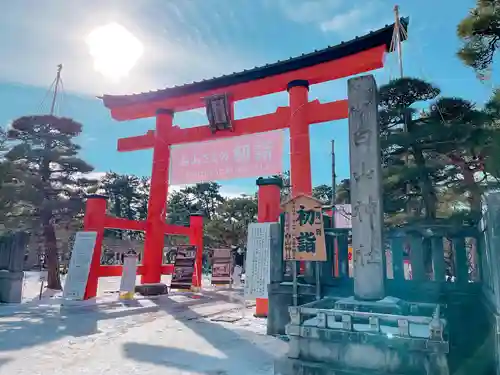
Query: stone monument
{"points": [[12, 250], [366, 189]]}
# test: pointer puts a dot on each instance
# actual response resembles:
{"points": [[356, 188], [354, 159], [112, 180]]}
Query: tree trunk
{"points": [[49, 235], [428, 193], [430, 206], [475, 193]]}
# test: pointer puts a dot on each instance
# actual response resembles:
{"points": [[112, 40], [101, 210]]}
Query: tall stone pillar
{"points": [[366, 188]]}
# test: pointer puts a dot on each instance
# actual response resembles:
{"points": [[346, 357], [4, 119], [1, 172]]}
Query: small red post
{"points": [[196, 238], [95, 216], [269, 210], [157, 204]]}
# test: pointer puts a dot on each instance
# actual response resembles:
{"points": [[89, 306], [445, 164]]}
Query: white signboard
{"points": [[79, 265], [257, 269], [129, 272]]}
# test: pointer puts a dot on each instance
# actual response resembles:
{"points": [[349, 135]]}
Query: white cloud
{"points": [[36, 36], [345, 18], [344, 21], [308, 11], [358, 20]]}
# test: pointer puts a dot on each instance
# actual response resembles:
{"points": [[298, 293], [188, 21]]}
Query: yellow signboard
{"points": [[304, 235]]}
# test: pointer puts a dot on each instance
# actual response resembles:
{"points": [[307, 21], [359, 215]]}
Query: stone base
{"points": [[290, 366], [155, 289], [11, 286], [362, 353], [336, 336], [388, 305]]}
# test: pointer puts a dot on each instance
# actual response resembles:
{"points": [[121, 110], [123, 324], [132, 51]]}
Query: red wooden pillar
{"points": [[196, 238], [300, 149], [269, 210], [269, 199], [157, 205], [95, 216]]}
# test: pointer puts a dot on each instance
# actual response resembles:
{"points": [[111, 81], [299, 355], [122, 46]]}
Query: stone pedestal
{"points": [[331, 341], [153, 289], [11, 286], [387, 305]]}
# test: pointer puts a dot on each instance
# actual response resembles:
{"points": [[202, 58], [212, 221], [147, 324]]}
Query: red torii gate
{"points": [[295, 75], [96, 220]]}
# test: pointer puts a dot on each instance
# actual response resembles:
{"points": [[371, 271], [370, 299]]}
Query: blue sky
{"points": [[186, 40]]}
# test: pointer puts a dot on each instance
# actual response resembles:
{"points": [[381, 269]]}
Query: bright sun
{"points": [[114, 49]]}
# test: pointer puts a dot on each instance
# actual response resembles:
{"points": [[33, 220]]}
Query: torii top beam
{"points": [[359, 55]]}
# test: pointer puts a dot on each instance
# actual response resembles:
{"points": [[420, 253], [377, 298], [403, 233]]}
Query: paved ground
{"points": [[174, 335]]}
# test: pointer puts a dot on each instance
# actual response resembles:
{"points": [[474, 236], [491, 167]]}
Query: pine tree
{"points": [[492, 161], [343, 192], [206, 196], [323, 193], [480, 33], [461, 136], [11, 202], [409, 176], [126, 200], [53, 181]]}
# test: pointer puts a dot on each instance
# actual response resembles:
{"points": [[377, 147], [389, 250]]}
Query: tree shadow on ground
{"points": [[30, 329], [234, 351], [4, 361], [35, 326]]}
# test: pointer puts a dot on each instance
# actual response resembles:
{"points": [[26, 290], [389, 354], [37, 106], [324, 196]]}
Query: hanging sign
{"points": [[221, 266], [257, 269], [304, 234], [185, 259], [236, 157], [79, 265]]}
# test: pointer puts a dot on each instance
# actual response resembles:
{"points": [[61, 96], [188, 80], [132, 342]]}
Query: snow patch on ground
{"points": [[169, 335]]}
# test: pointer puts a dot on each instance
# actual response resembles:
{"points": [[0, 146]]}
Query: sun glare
{"points": [[114, 49]]}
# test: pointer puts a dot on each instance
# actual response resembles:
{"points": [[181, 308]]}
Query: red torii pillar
{"points": [[94, 221], [300, 148], [196, 238], [157, 207], [157, 204], [269, 210]]}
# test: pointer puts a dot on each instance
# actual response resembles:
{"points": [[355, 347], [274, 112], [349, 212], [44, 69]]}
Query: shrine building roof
{"points": [[383, 36]]}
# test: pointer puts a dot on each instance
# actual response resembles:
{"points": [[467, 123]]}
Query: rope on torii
{"points": [[396, 45], [396, 42]]}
